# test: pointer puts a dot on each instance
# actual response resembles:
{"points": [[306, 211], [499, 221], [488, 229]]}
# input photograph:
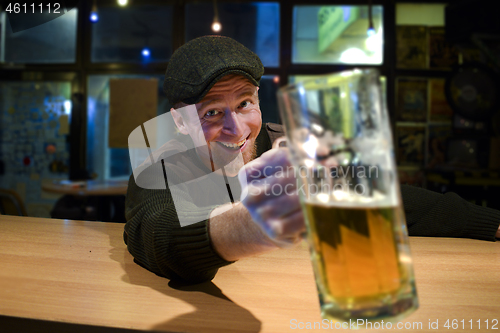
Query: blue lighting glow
{"points": [[67, 106], [94, 17], [370, 32], [146, 52]]}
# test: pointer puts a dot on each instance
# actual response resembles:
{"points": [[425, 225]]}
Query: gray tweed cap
{"points": [[197, 65]]}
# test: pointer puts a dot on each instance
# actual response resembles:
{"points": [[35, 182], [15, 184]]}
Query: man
{"points": [[213, 83]]}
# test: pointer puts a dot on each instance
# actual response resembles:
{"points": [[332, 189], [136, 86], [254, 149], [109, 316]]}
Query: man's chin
{"points": [[250, 153], [233, 164]]}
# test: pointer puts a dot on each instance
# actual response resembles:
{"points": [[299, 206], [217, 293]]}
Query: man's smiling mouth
{"points": [[235, 146]]}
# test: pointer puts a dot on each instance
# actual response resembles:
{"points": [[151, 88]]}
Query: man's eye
{"points": [[212, 113], [244, 104]]}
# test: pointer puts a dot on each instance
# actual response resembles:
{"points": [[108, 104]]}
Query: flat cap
{"points": [[196, 66]]}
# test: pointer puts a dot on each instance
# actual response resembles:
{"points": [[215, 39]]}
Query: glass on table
{"points": [[340, 143]]}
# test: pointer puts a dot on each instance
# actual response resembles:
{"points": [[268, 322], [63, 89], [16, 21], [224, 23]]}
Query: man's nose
{"points": [[232, 124]]}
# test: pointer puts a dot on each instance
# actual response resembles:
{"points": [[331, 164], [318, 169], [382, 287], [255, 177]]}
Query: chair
{"points": [[11, 203]]}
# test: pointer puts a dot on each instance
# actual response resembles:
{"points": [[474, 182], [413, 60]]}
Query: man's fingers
{"points": [[270, 196], [262, 191], [269, 163], [283, 205], [287, 231]]}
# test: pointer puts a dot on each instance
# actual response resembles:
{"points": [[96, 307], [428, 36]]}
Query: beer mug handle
{"points": [[280, 142]]}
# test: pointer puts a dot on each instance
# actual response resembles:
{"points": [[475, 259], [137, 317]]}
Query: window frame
{"points": [[83, 67]]}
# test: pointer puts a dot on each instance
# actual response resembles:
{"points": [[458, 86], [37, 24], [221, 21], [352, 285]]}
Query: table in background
{"points": [[91, 187], [77, 276], [110, 193]]}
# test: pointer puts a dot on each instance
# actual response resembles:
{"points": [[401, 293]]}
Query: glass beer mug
{"points": [[340, 142]]}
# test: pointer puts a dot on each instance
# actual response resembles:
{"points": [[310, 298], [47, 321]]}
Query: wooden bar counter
{"points": [[76, 276]]}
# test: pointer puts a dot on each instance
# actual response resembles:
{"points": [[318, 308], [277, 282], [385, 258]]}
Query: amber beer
{"points": [[339, 136], [356, 259]]}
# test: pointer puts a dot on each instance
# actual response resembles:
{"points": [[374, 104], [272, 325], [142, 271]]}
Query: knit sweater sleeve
{"points": [[157, 242], [447, 215], [155, 238]]}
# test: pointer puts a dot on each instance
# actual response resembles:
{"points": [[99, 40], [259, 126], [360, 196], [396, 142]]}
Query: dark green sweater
{"points": [[157, 241]]}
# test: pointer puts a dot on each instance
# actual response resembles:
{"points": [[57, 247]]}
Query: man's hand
{"points": [[269, 192], [263, 222]]}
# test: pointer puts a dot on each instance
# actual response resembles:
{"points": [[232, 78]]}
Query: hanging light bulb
{"points": [[145, 52], [216, 26], [371, 31], [123, 2], [94, 16]]}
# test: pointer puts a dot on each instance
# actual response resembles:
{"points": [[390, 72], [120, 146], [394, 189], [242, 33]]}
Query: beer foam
{"points": [[344, 199]]}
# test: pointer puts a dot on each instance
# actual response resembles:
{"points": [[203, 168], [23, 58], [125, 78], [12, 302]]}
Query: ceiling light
{"points": [[94, 17], [216, 26]]}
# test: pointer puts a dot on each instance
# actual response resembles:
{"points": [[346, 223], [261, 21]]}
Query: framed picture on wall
{"points": [[410, 145], [411, 103], [442, 55], [437, 143], [439, 108], [411, 46]]}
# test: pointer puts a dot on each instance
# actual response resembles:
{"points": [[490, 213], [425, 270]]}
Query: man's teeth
{"points": [[233, 145]]}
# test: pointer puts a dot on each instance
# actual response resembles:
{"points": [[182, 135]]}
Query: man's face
{"points": [[231, 119]]}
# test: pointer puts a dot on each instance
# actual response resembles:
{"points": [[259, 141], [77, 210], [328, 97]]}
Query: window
{"points": [[34, 127], [299, 78], [105, 162], [255, 25], [137, 34], [48, 43], [337, 35]]}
